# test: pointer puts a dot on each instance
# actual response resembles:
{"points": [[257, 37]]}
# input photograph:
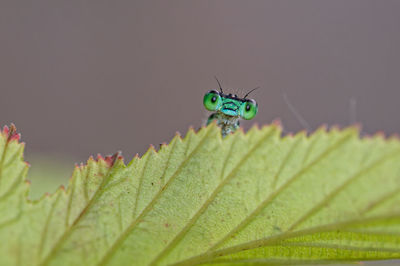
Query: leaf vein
{"points": [[120, 240], [273, 195], [223, 182], [381, 201], [284, 163], [271, 240], [139, 189], [71, 197], [334, 193], [14, 185], [47, 225], [70, 229], [167, 163]]}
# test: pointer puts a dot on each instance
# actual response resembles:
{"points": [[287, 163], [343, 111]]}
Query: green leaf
{"points": [[248, 198]]}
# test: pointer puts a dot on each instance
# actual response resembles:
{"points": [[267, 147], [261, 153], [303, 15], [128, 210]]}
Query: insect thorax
{"points": [[228, 124]]}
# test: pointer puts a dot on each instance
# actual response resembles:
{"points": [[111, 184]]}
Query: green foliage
{"points": [[247, 198], [47, 173]]}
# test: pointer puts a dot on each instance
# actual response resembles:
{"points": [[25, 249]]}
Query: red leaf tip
{"points": [[11, 133], [277, 122], [100, 157], [5, 130], [110, 159]]}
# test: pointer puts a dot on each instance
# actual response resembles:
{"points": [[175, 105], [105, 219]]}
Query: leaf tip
{"points": [[357, 126], [380, 134], [191, 129], [178, 134], [99, 157], [277, 123], [162, 146], [377, 135], [11, 133], [300, 134], [321, 129], [394, 137], [255, 126], [338, 128], [335, 127], [110, 159], [151, 149]]}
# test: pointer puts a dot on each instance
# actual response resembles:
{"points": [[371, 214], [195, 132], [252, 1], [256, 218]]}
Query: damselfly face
{"points": [[230, 105]]}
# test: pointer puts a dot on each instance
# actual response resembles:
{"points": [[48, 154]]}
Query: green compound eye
{"points": [[249, 109], [212, 100]]}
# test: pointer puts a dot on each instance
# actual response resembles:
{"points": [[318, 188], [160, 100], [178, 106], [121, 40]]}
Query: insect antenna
{"points": [[250, 92], [220, 87]]}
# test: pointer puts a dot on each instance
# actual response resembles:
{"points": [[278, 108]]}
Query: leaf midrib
{"points": [[202, 258], [313, 210]]}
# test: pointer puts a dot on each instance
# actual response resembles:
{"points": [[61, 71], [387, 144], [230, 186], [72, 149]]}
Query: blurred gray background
{"points": [[85, 77]]}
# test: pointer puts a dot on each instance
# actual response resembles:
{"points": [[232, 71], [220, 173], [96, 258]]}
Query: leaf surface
{"points": [[248, 198]]}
